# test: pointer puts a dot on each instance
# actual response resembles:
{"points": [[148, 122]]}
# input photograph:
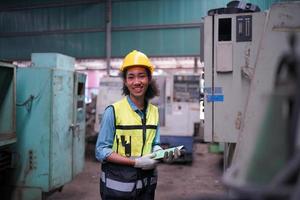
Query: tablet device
{"points": [[160, 153]]}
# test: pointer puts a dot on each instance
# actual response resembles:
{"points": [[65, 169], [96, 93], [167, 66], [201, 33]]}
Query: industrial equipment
{"points": [[230, 55], [110, 91], [7, 114], [232, 45], [50, 127], [178, 104], [247, 106], [180, 110]]}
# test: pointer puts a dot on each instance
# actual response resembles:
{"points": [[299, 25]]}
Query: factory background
{"points": [[94, 29], [216, 85]]}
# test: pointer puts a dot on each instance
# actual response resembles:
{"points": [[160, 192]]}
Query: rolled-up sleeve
{"points": [[156, 140], [106, 135]]}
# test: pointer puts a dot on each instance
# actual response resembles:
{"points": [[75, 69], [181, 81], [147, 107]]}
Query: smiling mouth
{"points": [[138, 89]]}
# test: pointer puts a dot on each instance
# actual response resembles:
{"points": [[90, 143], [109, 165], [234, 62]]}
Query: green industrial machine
{"points": [[7, 114], [50, 120]]}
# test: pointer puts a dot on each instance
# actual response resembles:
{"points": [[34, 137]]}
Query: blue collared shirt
{"points": [[107, 132]]}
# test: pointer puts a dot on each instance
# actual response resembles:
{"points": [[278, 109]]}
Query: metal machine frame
{"points": [[50, 120]]}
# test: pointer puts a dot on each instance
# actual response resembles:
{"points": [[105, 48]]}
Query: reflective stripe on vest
{"points": [[134, 137], [126, 187]]}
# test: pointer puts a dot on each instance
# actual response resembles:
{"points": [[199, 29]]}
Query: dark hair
{"points": [[152, 89]]}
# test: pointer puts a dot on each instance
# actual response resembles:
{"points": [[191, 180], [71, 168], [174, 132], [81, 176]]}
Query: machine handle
{"points": [[73, 128]]}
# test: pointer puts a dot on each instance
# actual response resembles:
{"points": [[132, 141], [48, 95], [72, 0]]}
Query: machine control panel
{"points": [[186, 88]]}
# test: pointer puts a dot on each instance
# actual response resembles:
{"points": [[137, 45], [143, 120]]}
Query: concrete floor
{"points": [[200, 179]]}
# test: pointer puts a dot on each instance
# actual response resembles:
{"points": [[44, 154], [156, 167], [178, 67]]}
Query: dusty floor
{"points": [[199, 179]]}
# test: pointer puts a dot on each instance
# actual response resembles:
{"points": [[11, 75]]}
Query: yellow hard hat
{"points": [[136, 58]]}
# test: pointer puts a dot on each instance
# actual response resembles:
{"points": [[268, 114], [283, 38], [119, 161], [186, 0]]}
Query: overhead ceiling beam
{"points": [[22, 6]]}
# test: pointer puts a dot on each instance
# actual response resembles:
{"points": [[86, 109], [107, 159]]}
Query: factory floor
{"points": [[200, 179]]}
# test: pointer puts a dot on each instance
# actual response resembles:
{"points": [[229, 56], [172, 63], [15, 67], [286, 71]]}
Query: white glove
{"points": [[156, 148], [146, 162], [170, 156]]}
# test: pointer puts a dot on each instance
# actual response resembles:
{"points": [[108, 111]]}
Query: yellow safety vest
{"points": [[134, 136]]}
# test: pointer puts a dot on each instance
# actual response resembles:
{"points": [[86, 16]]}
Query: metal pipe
{"points": [[108, 36], [113, 57], [213, 77], [202, 42], [101, 29], [157, 26], [162, 68], [195, 65], [51, 32]]}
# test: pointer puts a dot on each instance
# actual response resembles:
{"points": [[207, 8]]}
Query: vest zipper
{"points": [[144, 132], [117, 144]]}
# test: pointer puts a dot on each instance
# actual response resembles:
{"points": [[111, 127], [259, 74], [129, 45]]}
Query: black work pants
{"points": [[119, 182]]}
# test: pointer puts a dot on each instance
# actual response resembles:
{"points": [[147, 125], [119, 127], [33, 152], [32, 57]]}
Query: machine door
{"points": [[7, 104], [62, 113], [78, 127]]}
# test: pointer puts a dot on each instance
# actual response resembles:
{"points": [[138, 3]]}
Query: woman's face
{"points": [[137, 81]]}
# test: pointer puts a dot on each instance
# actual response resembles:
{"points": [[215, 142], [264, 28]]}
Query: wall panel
{"points": [[77, 27]]}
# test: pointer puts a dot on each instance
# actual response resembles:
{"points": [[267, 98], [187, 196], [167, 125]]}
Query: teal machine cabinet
{"points": [[7, 114], [50, 126]]}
